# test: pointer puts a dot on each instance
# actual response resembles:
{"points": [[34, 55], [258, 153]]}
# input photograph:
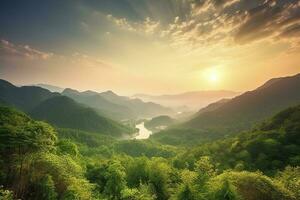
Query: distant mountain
{"points": [[58, 110], [117, 107], [66, 113], [243, 111], [51, 88], [100, 104], [24, 98], [193, 100]]}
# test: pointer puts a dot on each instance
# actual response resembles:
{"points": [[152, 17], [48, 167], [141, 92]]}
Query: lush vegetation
{"points": [[160, 122], [40, 162]]}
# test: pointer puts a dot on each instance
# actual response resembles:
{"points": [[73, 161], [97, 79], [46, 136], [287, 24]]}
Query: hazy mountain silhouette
{"points": [[194, 100], [245, 110], [56, 109], [117, 107], [51, 88], [100, 104]]}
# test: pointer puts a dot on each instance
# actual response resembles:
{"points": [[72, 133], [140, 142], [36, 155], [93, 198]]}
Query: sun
{"points": [[213, 75]]}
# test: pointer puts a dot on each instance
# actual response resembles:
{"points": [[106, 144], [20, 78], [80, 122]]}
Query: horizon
{"points": [[150, 94], [151, 47]]}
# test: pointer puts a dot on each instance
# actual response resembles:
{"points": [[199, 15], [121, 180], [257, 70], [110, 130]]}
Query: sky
{"points": [[149, 46]]}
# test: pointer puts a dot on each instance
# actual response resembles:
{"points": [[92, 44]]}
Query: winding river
{"points": [[143, 132]]}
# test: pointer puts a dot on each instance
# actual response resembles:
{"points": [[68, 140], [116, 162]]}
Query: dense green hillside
{"points": [[39, 163], [64, 112], [273, 145], [24, 98], [160, 122], [243, 111]]}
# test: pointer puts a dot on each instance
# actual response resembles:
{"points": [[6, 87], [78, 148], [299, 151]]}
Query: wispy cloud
{"points": [[22, 51], [230, 22], [148, 26]]}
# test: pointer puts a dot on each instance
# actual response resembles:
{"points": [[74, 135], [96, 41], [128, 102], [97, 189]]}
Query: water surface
{"points": [[143, 132]]}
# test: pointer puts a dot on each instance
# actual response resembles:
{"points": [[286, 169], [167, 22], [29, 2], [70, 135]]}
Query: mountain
{"points": [[193, 100], [64, 112], [140, 108], [57, 109], [100, 104], [117, 107], [243, 111], [51, 88], [24, 98], [213, 106]]}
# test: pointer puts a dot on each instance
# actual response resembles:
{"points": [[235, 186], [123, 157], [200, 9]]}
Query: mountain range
{"points": [[49, 87], [58, 110], [118, 107], [250, 107], [231, 116], [191, 100]]}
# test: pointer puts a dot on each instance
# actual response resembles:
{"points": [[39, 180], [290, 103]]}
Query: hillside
{"points": [[57, 160], [159, 123], [273, 145], [245, 110], [24, 98], [64, 112]]}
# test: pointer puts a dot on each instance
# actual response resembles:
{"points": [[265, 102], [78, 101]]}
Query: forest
{"points": [[150, 100], [39, 161]]}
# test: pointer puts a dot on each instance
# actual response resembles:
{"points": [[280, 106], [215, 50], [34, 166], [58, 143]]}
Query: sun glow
{"points": [[212, 75]]}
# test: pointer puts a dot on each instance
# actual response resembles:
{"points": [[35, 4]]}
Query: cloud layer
{"points": [[22, 51], [224, 21]]}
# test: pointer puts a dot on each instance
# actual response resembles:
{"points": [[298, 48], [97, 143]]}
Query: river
{"points": [[143, 132]]}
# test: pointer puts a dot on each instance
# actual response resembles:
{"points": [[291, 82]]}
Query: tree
{"points": [[45, 189], [137, 172], [158, 178], [20, 137], [115, 176], [226, 192], [67, 147], [185, 193]]}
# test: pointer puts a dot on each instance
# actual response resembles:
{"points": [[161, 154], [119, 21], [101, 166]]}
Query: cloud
{"points": [[22, 51], [219, 22], [147, 26], [10, 50], [267, 20]]}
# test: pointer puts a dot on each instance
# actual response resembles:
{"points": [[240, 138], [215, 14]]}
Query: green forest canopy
{"points": [[40, 162]]}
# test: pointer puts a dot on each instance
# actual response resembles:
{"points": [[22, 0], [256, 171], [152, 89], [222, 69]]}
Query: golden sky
{"points": [[151, 46]]}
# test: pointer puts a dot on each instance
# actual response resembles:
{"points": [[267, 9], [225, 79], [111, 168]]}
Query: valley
{"points": [[137, 158], [150, 100]]}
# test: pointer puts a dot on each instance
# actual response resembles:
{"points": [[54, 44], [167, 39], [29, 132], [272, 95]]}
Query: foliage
{"points": [[39, 162]]}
